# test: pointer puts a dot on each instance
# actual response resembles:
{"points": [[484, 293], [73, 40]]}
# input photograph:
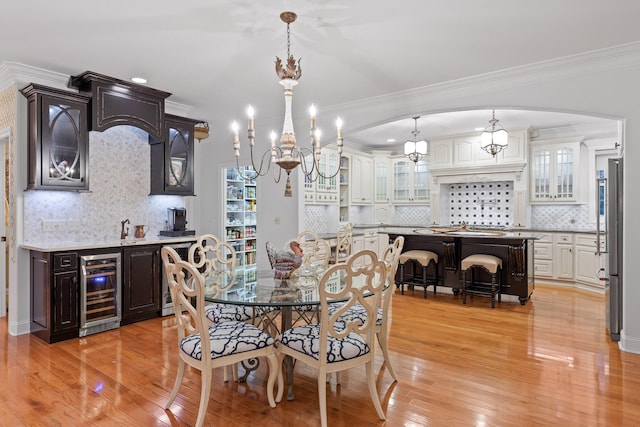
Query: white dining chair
{"points": [[204, 346], [333, 344], [344, 244], [382, 327]]}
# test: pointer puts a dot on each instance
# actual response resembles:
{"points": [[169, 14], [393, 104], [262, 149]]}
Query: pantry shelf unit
{"points": [[240, 227]]}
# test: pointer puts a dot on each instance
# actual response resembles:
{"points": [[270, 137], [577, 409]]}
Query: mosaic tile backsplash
{"points": [[566, 217], [119, 182], [481, 203]]}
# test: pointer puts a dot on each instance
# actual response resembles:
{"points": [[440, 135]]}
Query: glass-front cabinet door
{"points": [[58, 139], [401, 180], [554, 173], [420, 184], [381, 180], [172, 159], [410, 181]]}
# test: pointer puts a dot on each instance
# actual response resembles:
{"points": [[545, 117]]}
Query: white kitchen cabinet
{"points": [[557, 175], [323, 190], [563, 256], [464, 151], [588, 260], [381, 179], [361, 180], [553, 256], [543, 257], [410, 182]]}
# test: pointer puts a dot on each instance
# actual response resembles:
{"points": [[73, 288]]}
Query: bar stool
{"points": [[424, 258], [492, 265]]}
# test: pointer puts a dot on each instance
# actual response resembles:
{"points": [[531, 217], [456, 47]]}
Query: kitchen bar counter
{"points": [[78, 246], [514, 248]]}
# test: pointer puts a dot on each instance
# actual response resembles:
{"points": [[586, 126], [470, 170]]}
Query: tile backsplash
{"points": [[481, 203], [119, 164], [565, 217]]}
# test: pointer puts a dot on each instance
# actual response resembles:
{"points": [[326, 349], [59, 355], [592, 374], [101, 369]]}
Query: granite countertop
{"points": [[481, 234], [77, 246], [512, 230]]}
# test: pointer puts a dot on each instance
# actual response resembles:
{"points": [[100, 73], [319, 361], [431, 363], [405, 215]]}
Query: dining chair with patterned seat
{"points": [[333, 344], [390, 257], [217, 261], [204, 346], [315, 250], [344, 244]]}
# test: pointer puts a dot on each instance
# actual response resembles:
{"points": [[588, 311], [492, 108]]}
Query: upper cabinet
{"points": [[381, 179], [172, 158], [118, 102], [557, 175], [410, 181], [464, 151], [322, 186], [361, 178], [58, 139]]}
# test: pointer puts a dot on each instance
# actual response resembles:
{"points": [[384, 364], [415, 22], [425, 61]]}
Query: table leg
{"points": [[286, 319]]}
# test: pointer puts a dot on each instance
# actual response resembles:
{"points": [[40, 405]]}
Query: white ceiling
{"points": [[218, 56]]}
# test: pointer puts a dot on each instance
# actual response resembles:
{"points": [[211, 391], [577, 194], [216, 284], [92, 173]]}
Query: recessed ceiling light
{"points": [[393, 139], [138, 80]]}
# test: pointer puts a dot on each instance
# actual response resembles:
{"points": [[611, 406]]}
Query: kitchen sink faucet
{"points": [[123, 232]]}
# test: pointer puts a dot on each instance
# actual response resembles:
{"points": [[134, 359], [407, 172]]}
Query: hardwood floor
{"points": [[549, 362]]}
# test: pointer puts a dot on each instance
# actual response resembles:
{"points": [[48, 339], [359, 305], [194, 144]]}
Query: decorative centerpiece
{"points": [[286, 262]]}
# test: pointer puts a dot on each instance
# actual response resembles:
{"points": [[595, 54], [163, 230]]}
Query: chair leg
{"points": [[424, 279], [177, 384], [464, 286], [272, 359], [435, 277], [322, 396], [384, 345], [279, 369], [204, 396], [401, 279], [373, 391], [493, 290]]}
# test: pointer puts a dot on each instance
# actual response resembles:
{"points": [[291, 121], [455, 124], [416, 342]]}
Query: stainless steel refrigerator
{"points": [[613, 287]]}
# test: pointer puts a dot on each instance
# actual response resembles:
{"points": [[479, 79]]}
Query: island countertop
{"points": [[474, 233]]}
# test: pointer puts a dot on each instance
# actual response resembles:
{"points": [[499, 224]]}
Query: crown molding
{"points": [[606, 59], [14, 72]]}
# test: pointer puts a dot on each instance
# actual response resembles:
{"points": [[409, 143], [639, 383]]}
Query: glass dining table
{"points": [[278, 304]]}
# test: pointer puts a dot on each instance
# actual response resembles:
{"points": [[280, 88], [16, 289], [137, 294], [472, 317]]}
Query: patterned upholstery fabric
{"points": [[305, 339], [217, 312], [227, 338], [355, 312]]}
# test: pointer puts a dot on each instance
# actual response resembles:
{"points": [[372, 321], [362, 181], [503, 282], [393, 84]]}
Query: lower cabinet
{"points": [[55, 289], [563, 257], [54, 295], [141, 269]]}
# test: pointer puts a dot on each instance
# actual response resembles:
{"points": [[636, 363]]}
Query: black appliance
{"points": [[177, 223]]}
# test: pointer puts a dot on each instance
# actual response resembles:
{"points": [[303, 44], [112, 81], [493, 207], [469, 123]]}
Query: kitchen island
{"points": [[453, 245]]}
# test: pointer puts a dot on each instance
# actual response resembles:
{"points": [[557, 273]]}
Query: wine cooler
{"points": [[100, 290]]}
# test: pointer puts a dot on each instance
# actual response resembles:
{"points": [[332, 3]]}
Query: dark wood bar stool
{"points": [[492, 265], [423, 258]]}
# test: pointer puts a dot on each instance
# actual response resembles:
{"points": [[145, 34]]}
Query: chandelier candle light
{"points": [[287, 155], [494, 140]]}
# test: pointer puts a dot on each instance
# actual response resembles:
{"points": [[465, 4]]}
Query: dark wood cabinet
{"points": [[54, 295], [119, 102], [141, 283], [58, 139], [172, 158]]}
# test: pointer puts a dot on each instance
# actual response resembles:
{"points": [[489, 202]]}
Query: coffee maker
{"points": [[177, 223]]}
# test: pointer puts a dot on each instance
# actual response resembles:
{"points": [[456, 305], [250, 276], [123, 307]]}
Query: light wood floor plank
{"points": [[547, 363]]}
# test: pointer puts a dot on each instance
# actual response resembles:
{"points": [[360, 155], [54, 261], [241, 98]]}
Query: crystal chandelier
{"points": [[492, 139], [415, 150], [287, 155]]}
